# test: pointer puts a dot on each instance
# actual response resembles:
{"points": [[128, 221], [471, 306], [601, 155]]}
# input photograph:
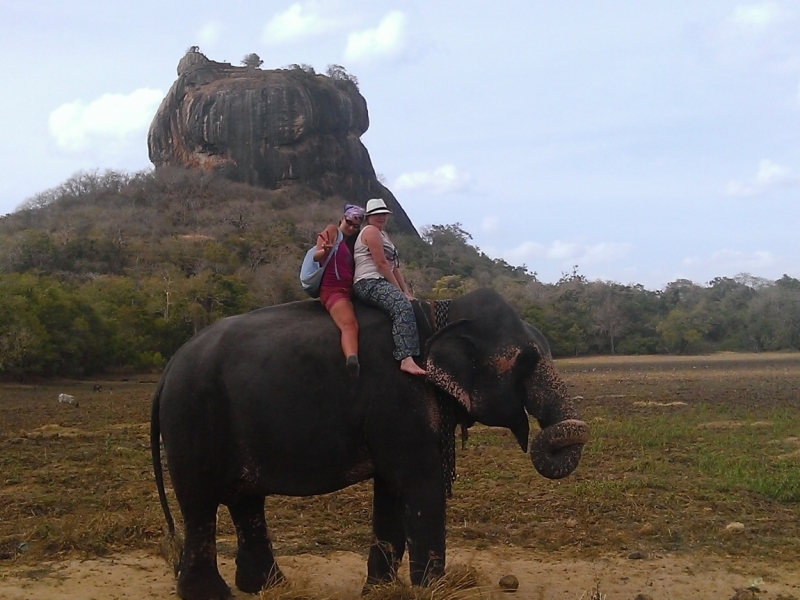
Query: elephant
{"points": [[261, 404]]}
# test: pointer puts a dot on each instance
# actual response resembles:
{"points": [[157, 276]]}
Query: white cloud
{"points": [[604, 252], [769, 176], [295, 23], [385, 41], [761, 32], [442, 180], [77, 125], [734, 260], [567, 253], [561, 251], [490, 224], [210, 33], [742, 190], [770, 173], [524, 253], [755, 17]]}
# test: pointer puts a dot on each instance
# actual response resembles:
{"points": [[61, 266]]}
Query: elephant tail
{"points": [[172, 544]]}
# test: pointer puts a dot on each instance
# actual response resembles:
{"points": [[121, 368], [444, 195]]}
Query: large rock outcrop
{"points": [[269, 128]]}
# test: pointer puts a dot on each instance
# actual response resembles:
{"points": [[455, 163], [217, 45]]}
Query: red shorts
{"points": [[331, 295]]}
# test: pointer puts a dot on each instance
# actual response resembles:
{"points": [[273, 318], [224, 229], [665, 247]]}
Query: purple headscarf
{"points": [[356, 213]]}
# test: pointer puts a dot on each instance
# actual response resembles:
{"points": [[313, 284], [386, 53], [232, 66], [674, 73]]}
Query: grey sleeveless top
{"points": [[365, 265]]}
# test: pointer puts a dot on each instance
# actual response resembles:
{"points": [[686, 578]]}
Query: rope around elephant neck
{"points": [[440, 313], [440, 310]]}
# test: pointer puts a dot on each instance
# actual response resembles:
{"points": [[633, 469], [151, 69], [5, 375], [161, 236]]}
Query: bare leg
{"points": [[345, 319]]}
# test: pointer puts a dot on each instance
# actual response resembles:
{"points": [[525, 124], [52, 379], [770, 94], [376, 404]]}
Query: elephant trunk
{"points": [[556, 449]]}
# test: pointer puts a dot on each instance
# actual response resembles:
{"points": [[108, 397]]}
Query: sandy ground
{"points": [[340, 575]]}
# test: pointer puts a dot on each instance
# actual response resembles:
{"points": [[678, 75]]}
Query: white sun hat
{"points": [[376, 206]]}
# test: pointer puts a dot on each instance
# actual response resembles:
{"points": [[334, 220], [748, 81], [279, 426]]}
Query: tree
{"points": [[23, 339], [774, 319], [789, 283], [305, 68], [252, 61], [36, 251], [682, 293], [682, 328], [726, 300], [449, 286], [446, 234], [609, 320], [339, 73]]}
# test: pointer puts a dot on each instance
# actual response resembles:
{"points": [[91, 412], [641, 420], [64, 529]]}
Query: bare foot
{"points": [[409, 366]]}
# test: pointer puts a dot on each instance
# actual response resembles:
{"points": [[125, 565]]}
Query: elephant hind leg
{"points": [[388, 546], [198, 576], [255, 563]]}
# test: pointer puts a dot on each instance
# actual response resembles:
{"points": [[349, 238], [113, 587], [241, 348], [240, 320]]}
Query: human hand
{"points": [[409, 295], [327, 244]]}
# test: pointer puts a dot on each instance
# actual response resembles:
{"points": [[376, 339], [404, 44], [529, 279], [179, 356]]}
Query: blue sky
{"points": [[643, 142]]}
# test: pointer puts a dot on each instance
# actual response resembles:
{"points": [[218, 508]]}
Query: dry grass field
{"points": [[690, 456]]}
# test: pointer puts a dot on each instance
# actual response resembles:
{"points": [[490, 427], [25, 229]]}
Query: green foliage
{"points": [[36, 252], [112, 271], [301, 67], [339, 73], [47, 329], [449, 286], [252, 60], [681, 328]]}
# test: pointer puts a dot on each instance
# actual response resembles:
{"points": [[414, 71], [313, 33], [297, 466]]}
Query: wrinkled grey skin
{"points": [[262, 404]]}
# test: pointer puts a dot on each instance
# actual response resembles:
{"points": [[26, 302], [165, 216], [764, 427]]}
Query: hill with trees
{"points": [[114, 271]]}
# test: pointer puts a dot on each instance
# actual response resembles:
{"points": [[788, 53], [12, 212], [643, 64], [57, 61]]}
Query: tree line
{"points": [[114, 271]]}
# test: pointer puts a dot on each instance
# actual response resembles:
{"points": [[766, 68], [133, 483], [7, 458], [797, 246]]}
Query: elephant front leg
{"points": [[424, 518], [389, 536], [255, 563], [198, 576]]}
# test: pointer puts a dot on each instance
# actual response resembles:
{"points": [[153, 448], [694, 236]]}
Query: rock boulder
{"points": [[269, 128]]}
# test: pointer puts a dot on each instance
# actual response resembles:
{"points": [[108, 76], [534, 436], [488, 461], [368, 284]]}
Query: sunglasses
{"points": [[353, 225]]}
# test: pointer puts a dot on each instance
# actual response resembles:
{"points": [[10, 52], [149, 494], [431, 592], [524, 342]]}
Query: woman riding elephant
{"points": [[378, 281], [336, 288]]}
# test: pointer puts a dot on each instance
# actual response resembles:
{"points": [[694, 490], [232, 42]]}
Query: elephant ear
{"points": [[451, 361]]}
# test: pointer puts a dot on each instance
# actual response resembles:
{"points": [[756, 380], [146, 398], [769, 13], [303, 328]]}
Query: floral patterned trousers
{"points": [[381, 293]]}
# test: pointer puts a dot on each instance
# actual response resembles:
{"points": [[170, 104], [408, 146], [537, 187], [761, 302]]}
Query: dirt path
{"points": [[340, 575]]}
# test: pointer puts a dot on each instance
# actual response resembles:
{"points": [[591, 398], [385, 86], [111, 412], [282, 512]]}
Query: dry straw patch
{"points": [[460, 582], [52, 430]]}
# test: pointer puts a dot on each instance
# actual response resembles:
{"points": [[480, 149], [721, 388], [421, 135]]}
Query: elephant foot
{"points": [[425, 575], [203, 587], [372, 584], [251, 578]]}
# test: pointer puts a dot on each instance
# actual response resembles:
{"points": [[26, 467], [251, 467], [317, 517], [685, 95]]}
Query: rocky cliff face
{"points": [[269, 128]]}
